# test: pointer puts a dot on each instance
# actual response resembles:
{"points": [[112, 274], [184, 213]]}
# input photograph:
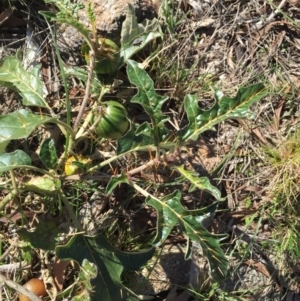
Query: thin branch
{"points": [[142, 167], [87, 90], [259, 25], [8, 198], [12, 267]]}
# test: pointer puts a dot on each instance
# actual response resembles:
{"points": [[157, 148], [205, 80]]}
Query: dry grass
{"points": [[226, 46], [284, 162]]}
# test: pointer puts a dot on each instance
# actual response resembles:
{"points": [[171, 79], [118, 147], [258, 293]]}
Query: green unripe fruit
{"points": [[107, 56], [113, 122]]}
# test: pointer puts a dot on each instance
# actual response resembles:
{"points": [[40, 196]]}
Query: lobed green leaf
{"points": [[131, 141], [202, 183], [149, 100], [18, 125], [171, 212], [27, 83], [225, 108], [42, 185], [45, 236], [135, 36], [82, 74], [110, 263], [9, 161]]}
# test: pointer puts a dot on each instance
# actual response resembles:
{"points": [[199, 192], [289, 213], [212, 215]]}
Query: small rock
{"points": [[111, 13]]}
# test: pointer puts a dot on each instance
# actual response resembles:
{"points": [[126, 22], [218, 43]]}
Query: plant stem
{"points": [[141, 190], [139, 169], [13, 180], [43, 171], [67, 127], [81, 131], [98, 178], [167, 145], [87, 121], [8, 198], [87, 89], [63, 75]]}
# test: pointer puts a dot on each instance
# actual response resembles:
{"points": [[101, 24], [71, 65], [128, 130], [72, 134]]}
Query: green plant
{"points": [[111, 120], [282, 210], [216, 293], [97, 256], [107, 56], [173, 16], [283, 161], [76, 165]]}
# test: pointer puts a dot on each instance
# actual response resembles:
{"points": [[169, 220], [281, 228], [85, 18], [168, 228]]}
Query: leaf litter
{"points": [[238, 44]]}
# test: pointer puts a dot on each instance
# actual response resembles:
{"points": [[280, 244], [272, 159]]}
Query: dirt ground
{"points": [[215, 44]]}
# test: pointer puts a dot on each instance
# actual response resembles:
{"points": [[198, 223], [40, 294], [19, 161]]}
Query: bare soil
{"points": [[217, 44]]}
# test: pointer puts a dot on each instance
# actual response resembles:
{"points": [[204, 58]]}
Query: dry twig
{"points": [[19, 288]]}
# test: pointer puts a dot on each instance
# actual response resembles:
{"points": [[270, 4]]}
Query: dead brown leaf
{"points": [[9, 18], [259, 266], [59, 268], [15, 216]]}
